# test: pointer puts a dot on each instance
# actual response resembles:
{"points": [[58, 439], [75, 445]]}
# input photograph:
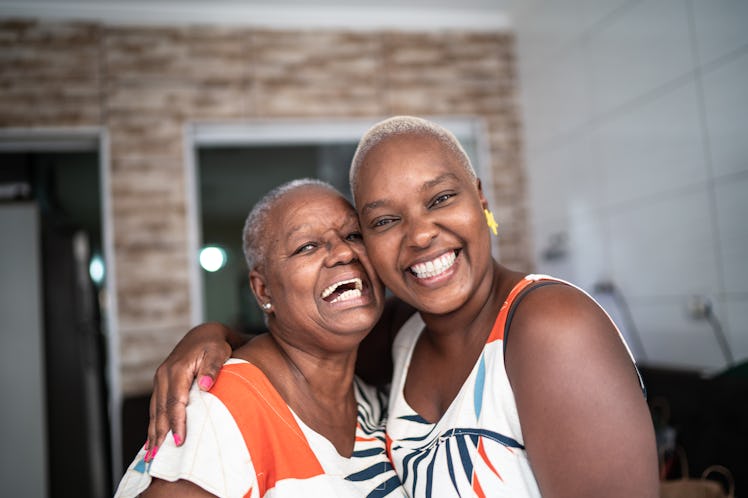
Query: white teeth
{"points": [[349, 294], [434, 267]]}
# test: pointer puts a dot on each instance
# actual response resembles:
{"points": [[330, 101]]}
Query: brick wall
{"points": [[143, 84]]}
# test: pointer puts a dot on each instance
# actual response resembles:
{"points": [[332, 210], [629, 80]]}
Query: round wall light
{"points": [[213, 258], [96, 269]]}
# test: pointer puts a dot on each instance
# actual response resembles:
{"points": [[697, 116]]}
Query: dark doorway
{"points": [[65, 188]]}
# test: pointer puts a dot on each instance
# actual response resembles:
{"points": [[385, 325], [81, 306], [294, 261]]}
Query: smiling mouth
{"points": [[435, 267], [343, 291]]}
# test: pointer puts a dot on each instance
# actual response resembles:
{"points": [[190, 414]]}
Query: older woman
{"points": [[286, 416], [505, 384]]}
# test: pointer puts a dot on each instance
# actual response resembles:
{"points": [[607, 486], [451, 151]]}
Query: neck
{"points": [[326, 376], [471, 323], [318, 386]]}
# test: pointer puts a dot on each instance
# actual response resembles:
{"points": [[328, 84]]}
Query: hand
{"points": [[200, 354]]}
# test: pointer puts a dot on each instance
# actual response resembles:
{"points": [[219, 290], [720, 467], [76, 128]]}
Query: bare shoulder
{"points": [[258, 350], [562, 320], [561, 343], [584, 418], [186, 489]]}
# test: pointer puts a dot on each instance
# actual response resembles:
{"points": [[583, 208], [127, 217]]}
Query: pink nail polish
{"points": [[177, 439], [154, 450], [147, 456], [205, 382]]}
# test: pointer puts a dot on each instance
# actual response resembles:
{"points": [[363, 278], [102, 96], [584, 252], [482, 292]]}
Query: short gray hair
{"points": [[405, 125], [255, 230]]}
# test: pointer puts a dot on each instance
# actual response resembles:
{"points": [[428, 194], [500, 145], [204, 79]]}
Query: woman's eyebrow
{"points": [[373, 205], [436, 181], [294, 230], [426, 185]]}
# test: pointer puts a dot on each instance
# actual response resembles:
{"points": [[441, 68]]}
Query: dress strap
{"points": [[501, 325], [513, 306]]}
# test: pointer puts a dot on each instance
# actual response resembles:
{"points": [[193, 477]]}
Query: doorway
{"points": [[54, 179]]}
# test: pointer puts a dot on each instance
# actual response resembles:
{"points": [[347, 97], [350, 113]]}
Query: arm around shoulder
{"points": [[585, 422], [200, 354]]}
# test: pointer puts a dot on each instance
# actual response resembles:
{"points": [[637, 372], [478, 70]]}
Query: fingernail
{"points": [[147, 456], [205, 382], [154, 450], [177, 439]]}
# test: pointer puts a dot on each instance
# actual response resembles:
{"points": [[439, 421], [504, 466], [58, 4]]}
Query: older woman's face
{"points": [[324, 291], [422, 218]]}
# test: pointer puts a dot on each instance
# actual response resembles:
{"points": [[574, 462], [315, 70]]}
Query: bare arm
{"points": [[586, 425], [166, 489], [200, 354]]}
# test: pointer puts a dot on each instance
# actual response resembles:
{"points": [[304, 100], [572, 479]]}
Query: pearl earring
{"points": [[267, 306]]}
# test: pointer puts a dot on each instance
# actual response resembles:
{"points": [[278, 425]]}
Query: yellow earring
{"points": [[491, 221]]}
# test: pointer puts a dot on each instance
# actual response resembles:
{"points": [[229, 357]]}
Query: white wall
{"points": [[23, 428], [636, 120]]}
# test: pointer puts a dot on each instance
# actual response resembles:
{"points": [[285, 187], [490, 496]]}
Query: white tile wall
{"points": [[566, 178], [665, 247], [546, 236], [586, 261], [557, 97], [721, 27], [637, 150], [594, 12], [546, 28], [726, 104], [653, 148], [732, 209], [645, 47]]}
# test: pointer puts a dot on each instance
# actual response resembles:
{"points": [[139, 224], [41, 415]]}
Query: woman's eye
{"points": [[441, 198], [381, 222], [354, 236], [305, 247]]}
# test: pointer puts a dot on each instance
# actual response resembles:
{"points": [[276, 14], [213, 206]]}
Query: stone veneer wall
{"points": [[143, 84]]}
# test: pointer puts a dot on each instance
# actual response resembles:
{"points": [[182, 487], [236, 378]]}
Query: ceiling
{"points": [[353, 14]]}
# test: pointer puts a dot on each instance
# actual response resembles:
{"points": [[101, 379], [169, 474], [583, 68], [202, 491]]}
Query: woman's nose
{"points": [[340, 251], [421, 232]]}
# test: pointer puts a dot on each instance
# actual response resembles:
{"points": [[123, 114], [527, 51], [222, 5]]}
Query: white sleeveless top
{"points": [[476, 448]]}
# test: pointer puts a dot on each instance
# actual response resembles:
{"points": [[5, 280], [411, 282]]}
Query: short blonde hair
{"points": [[405, 125]]}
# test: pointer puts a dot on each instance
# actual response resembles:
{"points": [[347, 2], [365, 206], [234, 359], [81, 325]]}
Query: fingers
{"points": [[198, 356], [151, 441], [176, 418], [171, 413], [207, 371], [158, 423]]}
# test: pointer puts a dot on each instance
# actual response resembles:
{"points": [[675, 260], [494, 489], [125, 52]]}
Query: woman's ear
{"points": [[259, 288], [481, 195]]}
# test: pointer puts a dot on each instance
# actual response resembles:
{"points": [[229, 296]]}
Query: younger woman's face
{"points": [[421, 215]]}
